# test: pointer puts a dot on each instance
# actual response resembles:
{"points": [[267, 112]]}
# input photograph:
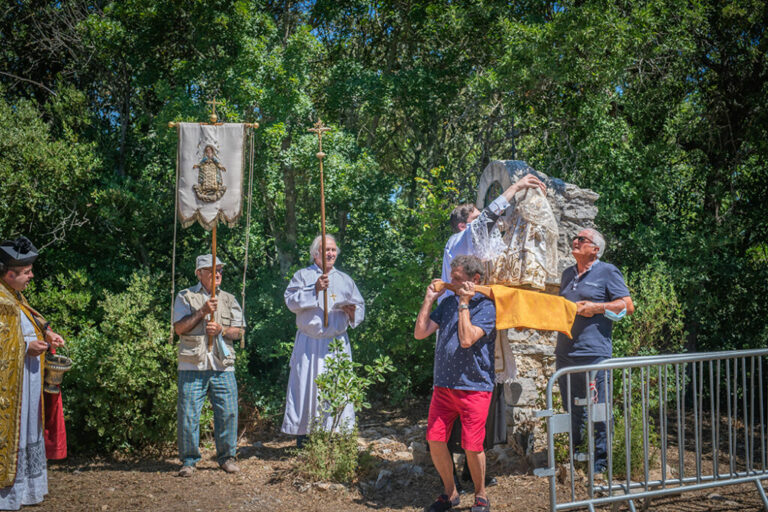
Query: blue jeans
{"points": [[221, 389], [580, 389]]}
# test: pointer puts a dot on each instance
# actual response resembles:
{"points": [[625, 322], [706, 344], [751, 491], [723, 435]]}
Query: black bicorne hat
{"points": [[18, 253]]}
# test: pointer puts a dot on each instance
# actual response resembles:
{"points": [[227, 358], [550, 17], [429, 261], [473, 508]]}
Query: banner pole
{"points": [[213, 277]]}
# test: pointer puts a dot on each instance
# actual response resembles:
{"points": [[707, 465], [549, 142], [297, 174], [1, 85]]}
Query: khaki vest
{"points": [[193, 345]]}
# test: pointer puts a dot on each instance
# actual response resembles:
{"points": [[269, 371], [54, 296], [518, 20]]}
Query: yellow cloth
{"points": [[532, 310], [12, 352], [518, 308]]}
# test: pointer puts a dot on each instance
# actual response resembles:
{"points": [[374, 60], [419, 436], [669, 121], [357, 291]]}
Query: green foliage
{"points": [[562, 448], [657, 325], [44, 170], [658, 106], [254, 394], [121, 391], [332, 455], [340, 384], [409, 256], [636, 440], [68, 300]]}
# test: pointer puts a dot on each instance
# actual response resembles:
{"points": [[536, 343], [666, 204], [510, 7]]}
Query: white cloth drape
{"points": [[522, 250]]}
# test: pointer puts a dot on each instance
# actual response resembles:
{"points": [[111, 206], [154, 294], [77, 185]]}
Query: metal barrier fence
{"points": [[691, 422]]}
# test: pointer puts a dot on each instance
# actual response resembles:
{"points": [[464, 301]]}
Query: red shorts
{"points": [[470, 406]]}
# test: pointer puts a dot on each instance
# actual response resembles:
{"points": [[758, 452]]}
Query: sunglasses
{"points": [[582, 239]]}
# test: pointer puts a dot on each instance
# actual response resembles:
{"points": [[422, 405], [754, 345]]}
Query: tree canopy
{"points": [[659, 106]]}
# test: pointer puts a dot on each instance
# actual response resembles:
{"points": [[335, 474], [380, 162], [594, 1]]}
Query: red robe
{"points": [[55, 433]]}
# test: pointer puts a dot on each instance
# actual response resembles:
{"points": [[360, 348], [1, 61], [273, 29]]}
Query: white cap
{"points": [[204, 261]]}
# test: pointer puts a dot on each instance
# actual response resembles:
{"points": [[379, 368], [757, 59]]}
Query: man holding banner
{"points": [[207, 368], [209, 177]]}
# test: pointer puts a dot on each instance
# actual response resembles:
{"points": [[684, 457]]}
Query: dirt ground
{"points": [[267, 481]]}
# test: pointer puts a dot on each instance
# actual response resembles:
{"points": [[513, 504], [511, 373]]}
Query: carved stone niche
{"points": [[574, 209]]}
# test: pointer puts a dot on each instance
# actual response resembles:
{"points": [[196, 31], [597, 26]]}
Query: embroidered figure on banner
{"points": [[210, 187]]}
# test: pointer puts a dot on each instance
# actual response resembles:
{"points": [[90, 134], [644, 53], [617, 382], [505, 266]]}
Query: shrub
{"points": [[257, 405], [635, 443], [121, 391], [332, 454], [67, 301], [657, 325], [655, 328], [340, 385]]}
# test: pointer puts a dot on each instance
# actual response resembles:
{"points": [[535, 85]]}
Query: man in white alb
{"points": [[346, 308]]}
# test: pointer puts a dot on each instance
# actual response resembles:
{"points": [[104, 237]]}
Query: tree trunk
{"points": [[342, 223], [286, 248]]}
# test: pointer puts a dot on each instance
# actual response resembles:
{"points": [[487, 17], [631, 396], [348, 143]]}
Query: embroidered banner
{"points": [[211, 161]]}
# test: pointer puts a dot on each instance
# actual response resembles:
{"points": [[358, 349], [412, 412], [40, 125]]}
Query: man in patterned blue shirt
{"points": [[463, 376], [466, 219]]}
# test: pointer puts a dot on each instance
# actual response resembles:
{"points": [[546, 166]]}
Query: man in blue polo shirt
{"points": [[463, 378], [602, 297]]}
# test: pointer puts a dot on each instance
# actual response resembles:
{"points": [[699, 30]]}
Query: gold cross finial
{"points": [[213, 104], [320, 129]]}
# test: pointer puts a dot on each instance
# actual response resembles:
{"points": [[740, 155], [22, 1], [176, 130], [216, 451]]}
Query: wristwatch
{"points": [[463, 306]]}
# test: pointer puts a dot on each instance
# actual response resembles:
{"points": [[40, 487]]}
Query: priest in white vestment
{"points": [[346, 308], [31, 484]]}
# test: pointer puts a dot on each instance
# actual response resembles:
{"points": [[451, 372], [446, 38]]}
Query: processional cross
{"points": [[320, 129], [213, 117]]}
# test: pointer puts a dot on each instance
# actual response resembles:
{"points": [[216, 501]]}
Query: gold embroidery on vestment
{"points": [[13, 349]]}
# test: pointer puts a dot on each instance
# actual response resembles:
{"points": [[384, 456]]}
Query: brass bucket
{"points": [[56, 366]]}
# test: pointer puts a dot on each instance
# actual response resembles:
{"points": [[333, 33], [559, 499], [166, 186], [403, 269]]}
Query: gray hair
{"points": [[598, 239], [314, 249], [470, 264]]}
